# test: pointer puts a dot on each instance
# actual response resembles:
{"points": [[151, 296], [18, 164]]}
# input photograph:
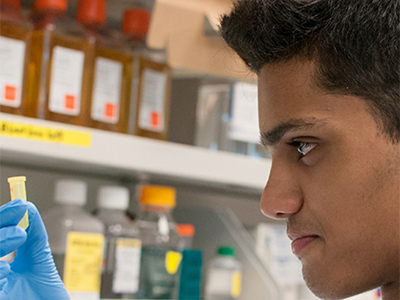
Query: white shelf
{"points": [[125, 155]]}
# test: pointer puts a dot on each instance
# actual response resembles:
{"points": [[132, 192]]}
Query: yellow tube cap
{"points": [[158, 196], [17, 187], [18, 191]]}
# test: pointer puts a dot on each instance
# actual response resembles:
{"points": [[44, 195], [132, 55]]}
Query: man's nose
{"points": [[282, 196]]}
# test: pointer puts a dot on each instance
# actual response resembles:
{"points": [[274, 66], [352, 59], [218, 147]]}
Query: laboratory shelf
{"points": [[124, 155]]}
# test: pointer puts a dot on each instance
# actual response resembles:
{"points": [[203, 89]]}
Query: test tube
{"points": [[18, 191]]}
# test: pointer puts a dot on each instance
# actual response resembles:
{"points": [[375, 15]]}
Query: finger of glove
{"points": [[4, 269], [11, 238], [12, 212], [35, 251], [34, 260]]}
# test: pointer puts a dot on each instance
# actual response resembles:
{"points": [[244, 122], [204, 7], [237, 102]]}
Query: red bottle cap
{"points": [[91, 11], [136, 22], [16, 4], [50, 4]]}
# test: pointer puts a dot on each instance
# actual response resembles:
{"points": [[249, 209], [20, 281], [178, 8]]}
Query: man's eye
{"points": [[303, 148]]}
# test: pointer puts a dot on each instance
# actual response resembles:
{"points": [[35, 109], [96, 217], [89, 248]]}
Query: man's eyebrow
{"points": [[274, 136]]}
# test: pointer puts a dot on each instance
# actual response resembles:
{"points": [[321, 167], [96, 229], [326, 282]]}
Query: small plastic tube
{"points": [[18, 191]]}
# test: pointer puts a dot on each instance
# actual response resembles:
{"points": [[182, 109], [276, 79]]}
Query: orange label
{"points": [[110, 110], [69, 101], [10, 92], [155, 118]]}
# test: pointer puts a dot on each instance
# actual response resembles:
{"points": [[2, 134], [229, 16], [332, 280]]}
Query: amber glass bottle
{"points": [[60, 49], [15, 43], [153, 79], [111, 70]]}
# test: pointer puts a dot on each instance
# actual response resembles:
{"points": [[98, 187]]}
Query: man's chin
{"points": [[325, 287]]}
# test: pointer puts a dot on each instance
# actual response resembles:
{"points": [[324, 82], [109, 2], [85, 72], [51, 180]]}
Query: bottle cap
{"points": [[135, 22], [91, 11], [70, 192], [50, 4], [226, 251], [113, 197], [16, 4], [158, 196], [186, 230]]}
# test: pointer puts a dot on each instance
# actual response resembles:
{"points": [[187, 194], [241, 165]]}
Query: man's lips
{"points": [[301, 241]]}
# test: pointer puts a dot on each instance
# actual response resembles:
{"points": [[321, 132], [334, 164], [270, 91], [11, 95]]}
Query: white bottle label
{"points": [[152, 102], [107, 90], [220, 282], [66, 81], [244, 122], [12, 58], [127, 266]]}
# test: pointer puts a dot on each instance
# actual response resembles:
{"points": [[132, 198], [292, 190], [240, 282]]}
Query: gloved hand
{"points": [[32, 275]]}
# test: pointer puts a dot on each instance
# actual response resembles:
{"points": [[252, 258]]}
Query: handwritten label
{"points": [[45, 134]]}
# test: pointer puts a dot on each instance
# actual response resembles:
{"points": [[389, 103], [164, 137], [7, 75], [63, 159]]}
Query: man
{"points": [[329, 110], [330, 114]]}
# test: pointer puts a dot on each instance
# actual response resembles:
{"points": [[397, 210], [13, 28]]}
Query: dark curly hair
{"points": [[355, 43]]}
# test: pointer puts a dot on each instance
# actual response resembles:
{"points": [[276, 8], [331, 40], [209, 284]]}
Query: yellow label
{"points": [[236, 284], [83, 260], [172, 261], [129, 243], [45, 134]]}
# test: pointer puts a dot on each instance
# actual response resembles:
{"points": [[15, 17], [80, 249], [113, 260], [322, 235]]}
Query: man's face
{"points": [[340, 195]]}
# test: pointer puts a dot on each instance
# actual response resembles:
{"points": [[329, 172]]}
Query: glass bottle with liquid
{"points": [[152, 79], [76, 240], [120, 275], [159, 267], [223, 280], [60, 50], [111, 70], [15, 43]]}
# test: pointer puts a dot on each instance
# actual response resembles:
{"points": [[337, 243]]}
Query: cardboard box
{"points": [[183, 28]]}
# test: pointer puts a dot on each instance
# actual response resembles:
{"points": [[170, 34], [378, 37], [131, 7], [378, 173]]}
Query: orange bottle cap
{"points": [[16, 4], [136, 22], [158, 196], [50, 4], [91, 11], [186, 230]]}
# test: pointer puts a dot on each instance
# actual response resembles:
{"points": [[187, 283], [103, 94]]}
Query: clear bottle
{"points": [[120, 275], [152, 79], [186, 233], [15, 43], [159, 268], [227, 119], [76, 240], [243, 134], [111, 70], [60, 50], [223, 280]]}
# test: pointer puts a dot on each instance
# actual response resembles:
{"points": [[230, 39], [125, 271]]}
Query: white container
{"points": [[224, 276], [120, 275], [74, 235]]}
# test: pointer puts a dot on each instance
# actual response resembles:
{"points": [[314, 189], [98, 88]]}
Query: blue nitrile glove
{"points": [[32, 275]]}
